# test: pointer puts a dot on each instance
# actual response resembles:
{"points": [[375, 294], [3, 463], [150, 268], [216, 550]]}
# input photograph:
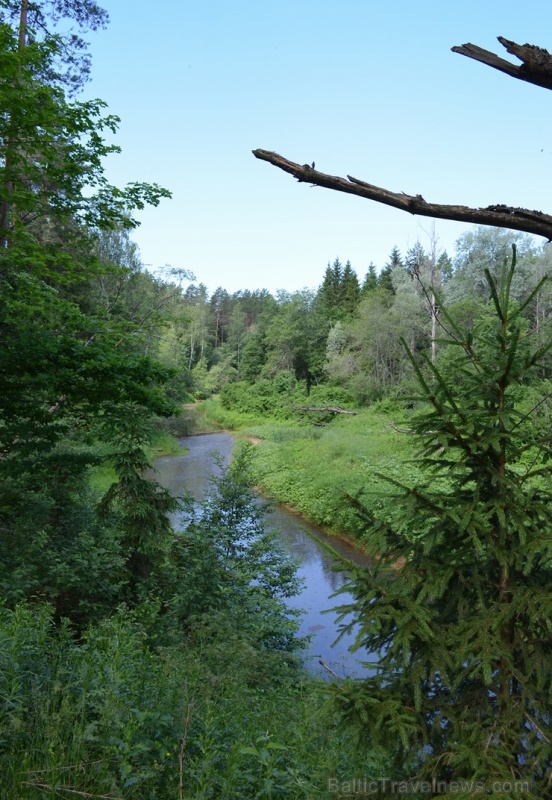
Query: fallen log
{"points": [[329, 409]]}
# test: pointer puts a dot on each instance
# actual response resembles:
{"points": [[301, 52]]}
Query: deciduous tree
{"points": [[69, 367]]}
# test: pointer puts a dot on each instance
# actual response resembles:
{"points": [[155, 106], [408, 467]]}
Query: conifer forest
{"points": [[147, 650]]}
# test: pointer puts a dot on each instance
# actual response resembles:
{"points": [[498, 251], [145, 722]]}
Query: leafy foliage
{"points": [[73, 364], [227, 565], [115, 716]]}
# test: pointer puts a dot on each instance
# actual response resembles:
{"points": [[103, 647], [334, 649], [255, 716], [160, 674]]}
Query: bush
{"points": [[263, 399], [331, 396], [179, 426]]}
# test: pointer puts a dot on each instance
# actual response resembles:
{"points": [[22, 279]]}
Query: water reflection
{"points": [[193, 471], [317, 566]]}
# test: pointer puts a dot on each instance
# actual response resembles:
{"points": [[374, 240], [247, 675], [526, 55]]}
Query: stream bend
{"points": [[302, 539]]}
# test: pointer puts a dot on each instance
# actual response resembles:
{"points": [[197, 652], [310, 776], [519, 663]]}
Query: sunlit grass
{"points": [[313, 467]]}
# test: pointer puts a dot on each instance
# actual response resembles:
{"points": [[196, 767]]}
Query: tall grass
{"points": [[111, 716], [224, 418]]}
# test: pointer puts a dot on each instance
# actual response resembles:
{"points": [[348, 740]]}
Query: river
{"points": [[303, 540]]}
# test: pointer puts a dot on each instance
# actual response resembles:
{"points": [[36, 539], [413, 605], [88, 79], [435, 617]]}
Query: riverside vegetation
{"points": [[137, 661], [311, 468]]}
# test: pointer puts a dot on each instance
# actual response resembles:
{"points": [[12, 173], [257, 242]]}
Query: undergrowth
{"points": [[197, 692]]}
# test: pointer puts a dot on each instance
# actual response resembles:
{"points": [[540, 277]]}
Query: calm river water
{"points": [[301, 538]]}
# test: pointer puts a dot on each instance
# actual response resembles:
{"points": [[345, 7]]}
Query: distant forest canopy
{"points": [[345, 335]]}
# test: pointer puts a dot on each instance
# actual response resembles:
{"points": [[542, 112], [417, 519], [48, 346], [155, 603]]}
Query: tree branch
{"points": [[536, 67], [498, 216]]}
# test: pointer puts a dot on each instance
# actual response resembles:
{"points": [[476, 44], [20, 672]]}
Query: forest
{"points": [[405, 405]]}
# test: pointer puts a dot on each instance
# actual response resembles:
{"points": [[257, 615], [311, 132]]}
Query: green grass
{"points": [[222, 418], [165, 444], [311, 468], [101, 477]]}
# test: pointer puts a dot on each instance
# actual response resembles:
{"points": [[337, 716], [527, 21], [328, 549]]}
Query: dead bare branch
{"points": [[536, 67], [498, 216]]}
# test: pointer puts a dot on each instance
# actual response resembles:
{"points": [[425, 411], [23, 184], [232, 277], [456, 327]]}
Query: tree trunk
{"points": [[5, 205]]}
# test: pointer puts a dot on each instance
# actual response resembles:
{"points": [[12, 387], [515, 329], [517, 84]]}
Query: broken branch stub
{"points": [[536, 64]]}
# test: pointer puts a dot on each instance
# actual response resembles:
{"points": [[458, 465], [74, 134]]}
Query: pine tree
{"points": [[60, 23], [463, 687]]}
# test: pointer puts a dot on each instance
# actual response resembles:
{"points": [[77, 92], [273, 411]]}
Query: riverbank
{"points": [[322, 561], [312, 470], [199, 418]]}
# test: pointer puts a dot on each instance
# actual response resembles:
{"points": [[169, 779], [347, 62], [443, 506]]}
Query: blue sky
{"points": [[364, 88]]}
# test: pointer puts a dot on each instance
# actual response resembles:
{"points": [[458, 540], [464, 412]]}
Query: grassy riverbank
{"points": [[311, 468]]}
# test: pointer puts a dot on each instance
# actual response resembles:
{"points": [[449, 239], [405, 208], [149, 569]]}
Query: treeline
{"points": [[345, 335]]}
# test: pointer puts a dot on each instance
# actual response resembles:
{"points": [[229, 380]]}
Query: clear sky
{"points": [[363, 87]]}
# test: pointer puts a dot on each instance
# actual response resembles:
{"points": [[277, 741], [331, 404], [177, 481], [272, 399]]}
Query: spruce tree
{"points": [[416, 260], [385, 280], [331, 293], [370, 279], [395, 259], [351, 289], [459, 604]]}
